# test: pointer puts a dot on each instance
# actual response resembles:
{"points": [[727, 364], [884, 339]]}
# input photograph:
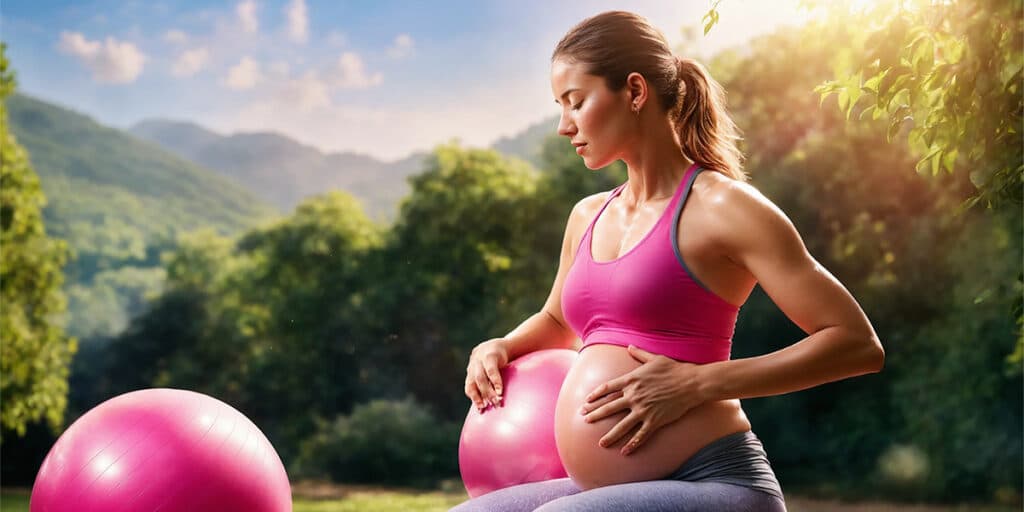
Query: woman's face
{"points": [[594, 118]]}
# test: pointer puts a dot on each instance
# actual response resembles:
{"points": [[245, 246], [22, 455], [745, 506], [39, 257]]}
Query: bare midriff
{"points": [[590, 465]]}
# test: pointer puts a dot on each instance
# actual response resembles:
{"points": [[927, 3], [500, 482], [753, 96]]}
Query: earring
{"points": [[636, 109]]}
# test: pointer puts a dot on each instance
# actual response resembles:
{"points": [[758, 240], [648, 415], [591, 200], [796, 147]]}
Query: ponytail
{"points": [[707, 133]]}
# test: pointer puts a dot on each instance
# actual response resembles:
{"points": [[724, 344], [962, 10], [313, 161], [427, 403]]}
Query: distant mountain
{"points": [[119, 202], [527, 144], [284, 171], [91, 172]]}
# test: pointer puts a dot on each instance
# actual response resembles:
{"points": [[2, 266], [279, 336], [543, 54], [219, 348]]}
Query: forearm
{"points": [[828, 355], [540, 331]]}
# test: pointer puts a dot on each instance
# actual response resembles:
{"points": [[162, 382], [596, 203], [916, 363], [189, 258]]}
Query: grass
{"points": [[13, 501], [371, 499], [368, 500]]}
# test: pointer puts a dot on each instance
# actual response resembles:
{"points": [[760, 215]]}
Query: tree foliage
{"points": [[935, 277], [34, 351], [946, 75]]}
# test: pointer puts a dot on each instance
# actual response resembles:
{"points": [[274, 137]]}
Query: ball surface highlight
{"points": [[162, 449], [515, 443]]}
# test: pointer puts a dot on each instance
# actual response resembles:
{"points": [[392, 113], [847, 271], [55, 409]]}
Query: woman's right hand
{"points": [[483, 376]]}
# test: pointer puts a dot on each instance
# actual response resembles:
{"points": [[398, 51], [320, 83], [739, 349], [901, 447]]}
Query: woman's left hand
{"points": [[658, 392]]}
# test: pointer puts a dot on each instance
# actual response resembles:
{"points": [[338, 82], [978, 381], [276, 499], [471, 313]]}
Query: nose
{"points": [[566, 127]]}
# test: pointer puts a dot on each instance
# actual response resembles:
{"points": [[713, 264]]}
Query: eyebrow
{"points": [[564, 94]]}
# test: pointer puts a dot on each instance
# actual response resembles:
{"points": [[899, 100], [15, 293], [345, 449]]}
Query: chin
{"points": [[595, 165]]}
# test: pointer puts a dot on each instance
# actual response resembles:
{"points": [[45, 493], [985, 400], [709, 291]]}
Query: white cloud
{"points": [[112, 61], [247, 16], [191, 62], [280, 69], [175, 37], [402, 47], [244, 75], [306, 93], [298, 21], [351, 73], [391, 132], [76, 44]]}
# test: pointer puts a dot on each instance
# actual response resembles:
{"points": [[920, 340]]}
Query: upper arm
{"points": [[757, 235], [574, 228]]}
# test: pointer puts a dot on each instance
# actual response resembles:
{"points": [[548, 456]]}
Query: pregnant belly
{"points": [[590, 465]]}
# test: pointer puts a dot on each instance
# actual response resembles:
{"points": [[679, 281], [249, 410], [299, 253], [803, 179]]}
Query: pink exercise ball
{"points": [[515, 443], [162, 449]]}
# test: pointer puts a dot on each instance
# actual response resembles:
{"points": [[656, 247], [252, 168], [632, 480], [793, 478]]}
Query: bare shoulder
{"points": [[584, 211], [724, 193], [742, 220]]}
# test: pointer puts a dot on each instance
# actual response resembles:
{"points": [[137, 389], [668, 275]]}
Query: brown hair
{"points": [[616, 43]]}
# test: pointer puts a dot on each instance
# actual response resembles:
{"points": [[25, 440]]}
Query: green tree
{"points": [[947, 76], [271, 322], [930, 272], [34, 351], [444, 274]]}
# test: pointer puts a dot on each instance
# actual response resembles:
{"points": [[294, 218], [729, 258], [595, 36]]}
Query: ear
{"points": [[636, 90]]}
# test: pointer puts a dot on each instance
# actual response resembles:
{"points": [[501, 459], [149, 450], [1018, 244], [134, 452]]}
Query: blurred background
{"points": [[314, 210]]}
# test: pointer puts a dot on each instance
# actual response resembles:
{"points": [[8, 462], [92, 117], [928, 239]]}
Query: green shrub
{"points": [[382, 442]]}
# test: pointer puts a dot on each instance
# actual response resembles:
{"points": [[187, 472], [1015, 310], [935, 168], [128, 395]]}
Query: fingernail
{"points": [[583, 411]]}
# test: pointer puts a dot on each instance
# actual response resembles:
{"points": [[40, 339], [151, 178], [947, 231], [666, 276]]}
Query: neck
{"points": [[655, 165]]}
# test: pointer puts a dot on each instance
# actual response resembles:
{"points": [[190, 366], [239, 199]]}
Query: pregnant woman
{"points": [[651, 279]]}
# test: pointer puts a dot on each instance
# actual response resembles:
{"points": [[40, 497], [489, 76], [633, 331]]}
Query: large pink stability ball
{"points": [[166, 450], [515, 443]]}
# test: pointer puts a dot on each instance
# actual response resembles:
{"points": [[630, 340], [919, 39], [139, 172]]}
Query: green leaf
{"points": [[900, 100], [953, 50], [710, 19], [924, 57], [854, 92], [872, 83], [869, 109], [894, 127], [938, 76], [949, 159]]}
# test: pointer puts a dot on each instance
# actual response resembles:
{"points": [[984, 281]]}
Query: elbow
{"points": [[875, 360]]}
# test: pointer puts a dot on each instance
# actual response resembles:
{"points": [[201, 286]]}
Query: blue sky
{"points": [[384, 78]]}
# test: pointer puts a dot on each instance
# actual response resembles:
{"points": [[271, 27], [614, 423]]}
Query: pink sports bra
{"points": [[648, 297]]}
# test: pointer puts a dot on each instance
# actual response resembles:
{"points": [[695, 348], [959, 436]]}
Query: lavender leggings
{"points": [[731, 473]]}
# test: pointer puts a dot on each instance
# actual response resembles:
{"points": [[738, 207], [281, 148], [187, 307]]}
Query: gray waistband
{"points": [[737, 459]]}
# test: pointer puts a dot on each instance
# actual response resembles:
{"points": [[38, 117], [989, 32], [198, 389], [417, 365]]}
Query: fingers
{"points": [[640, 354], [613, 385], [483, 383], [620, 429], [473, 393], [590, 406], [638, 438], [491, 367], [611, 404]]}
